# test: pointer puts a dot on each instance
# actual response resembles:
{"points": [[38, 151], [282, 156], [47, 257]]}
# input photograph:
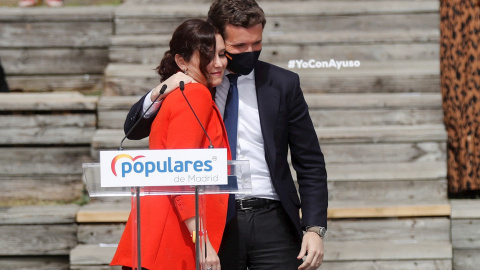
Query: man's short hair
{"points": [[241, 13]]}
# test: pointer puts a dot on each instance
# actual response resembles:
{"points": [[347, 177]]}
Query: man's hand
{"points": [[172, 83], [312, 246]]}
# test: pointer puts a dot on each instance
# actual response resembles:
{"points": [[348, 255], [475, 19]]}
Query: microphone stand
{"points": [[197, 212], [138, 189]]}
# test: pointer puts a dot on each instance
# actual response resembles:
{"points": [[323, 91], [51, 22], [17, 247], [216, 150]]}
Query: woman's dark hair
{"points": [[241, 13], [190, 36]]}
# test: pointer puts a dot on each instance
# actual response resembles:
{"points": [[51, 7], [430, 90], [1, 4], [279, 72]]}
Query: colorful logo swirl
{"points": [[116, 158]]}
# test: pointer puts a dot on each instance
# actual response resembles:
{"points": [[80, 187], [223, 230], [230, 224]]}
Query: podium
{"points": [[237, 180]]}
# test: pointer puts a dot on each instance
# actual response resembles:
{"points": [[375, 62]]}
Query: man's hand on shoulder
{"points": [[172, 83], [312, 247]]}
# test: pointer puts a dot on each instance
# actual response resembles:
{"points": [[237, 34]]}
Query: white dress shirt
{"points": [[250, 144]]}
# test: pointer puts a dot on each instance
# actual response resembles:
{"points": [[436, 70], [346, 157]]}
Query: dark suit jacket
{"points": [[285, 123]]}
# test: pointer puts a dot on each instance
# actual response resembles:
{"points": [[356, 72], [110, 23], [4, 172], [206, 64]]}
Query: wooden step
{"points": [[299, 37], [420, 238], [285, 16], [386, 183], [407, 171], [75, 61], [465, 221], [382, 134], [65, 129], [38, 102], [465, 233], [326, 110], [71, 119], [290, 8], [76, 3], [94, 256], [392, 230], [365, 209], [327, 135], [85, 83], [35, 262], [33, 175], [69, 26], [33, 61], [376, 46], [384, 152], [363, 101], [97, 230], [419, 140], [337, 256], [334, 153], [118, 212], [372, 77], [104, 212], [38, 230], [44, 142]]}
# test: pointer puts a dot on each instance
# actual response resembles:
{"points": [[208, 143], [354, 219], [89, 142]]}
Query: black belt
{"points": [[254, 203]]}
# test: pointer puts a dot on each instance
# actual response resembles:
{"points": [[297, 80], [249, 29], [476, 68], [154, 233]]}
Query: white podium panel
{"points": [[238, 182]]}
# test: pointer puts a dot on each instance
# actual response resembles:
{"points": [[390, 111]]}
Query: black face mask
{"points": [[242, 63]]}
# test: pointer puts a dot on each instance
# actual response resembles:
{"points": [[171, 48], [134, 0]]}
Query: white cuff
{"points": [[147, 102]]}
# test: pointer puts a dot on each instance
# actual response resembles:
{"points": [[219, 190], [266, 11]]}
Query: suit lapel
{"points": [[268, 100]]}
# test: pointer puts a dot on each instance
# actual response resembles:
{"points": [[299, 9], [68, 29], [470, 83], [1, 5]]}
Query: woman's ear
{"points": [[181, 63]]}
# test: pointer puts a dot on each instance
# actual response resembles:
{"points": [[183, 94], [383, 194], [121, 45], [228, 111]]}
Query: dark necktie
{"points": [[230, 118]]}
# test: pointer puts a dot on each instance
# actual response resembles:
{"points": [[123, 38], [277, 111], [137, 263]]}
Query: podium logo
{"points": [[149, 167], [116, 158]]}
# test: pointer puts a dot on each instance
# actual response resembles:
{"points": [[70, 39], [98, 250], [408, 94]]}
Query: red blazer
{"points": [[166, 241]]}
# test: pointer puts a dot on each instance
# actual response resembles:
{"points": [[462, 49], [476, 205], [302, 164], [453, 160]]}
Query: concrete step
{"points": [[321, 46], [371, 77]]}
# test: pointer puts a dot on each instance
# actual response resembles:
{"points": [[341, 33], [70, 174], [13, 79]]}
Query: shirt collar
{"points": [[249, 76]]}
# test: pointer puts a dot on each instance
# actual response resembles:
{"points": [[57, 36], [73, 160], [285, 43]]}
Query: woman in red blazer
{"points": [[168, 221]]}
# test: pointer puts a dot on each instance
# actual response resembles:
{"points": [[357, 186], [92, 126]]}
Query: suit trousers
{"points": [[260, 239]]}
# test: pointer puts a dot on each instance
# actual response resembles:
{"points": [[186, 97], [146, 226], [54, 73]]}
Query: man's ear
{"points": [[181, 63]]}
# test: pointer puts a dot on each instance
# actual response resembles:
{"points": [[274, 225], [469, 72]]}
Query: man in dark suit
{"points": [[273, 118]]}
